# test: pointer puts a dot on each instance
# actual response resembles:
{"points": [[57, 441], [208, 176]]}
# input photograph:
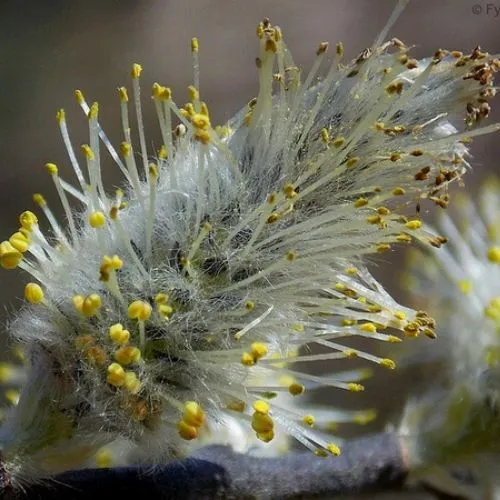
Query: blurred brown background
{"points": [[49, 48]]}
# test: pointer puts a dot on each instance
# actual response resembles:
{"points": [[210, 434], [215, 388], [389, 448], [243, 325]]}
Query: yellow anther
{"points": [[202, 136], [165, 310], [289, 191], [374, 219], [247, 359], [113, 263], [404, 238], [399, 191], [103, 458], [338, 141], [27, 219], [153, 171], [361, 202], [262, 423], [163, 152], [187, 431], [348, 322], [414, 224], [97, 219], [350, 353], [122, 93], [273, 218], [387, 363], [189, 110], [33, 293], [339, 49], [266, 437], [6, 372], [193, 414], [84, 341], [325, 136], [492, 310], [393, 339], [353, 387], [116, 375], [118, 334], [61, 116], [136, 70], [91, 304], [80, 99], [77, 301], [238, 406], [204, 109], [465, 286], [309, 420], [365, 417], [39, 199], [400, 315], [340, 287], [9, 256], [20, 241], [140, 310], [200, 121], [94, 111], [383, 211], [369, 328], [261, 407], [87, 151], [128, 355], [12, 396], [194, 95], [298, 327], [351, 162], [383, 247], [195, 46], [374, 308], [125, 149], [258, 350], [132, 382], [333, 449], [96, 355], [494, 255], [291, 256], [161, 298], [51, 168]]}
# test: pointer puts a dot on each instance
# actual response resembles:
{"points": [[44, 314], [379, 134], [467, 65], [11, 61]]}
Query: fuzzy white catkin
{"points": [[455, 418], [166, 308]]}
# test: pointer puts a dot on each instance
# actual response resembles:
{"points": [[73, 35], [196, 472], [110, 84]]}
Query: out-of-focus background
{"points": [[49, 48]]}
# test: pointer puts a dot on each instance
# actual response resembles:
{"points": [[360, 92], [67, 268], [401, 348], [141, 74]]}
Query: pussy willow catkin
{"points": [[184, 298]]}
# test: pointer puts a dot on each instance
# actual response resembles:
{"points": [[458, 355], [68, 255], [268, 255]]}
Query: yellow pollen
{"points": [[97, 219], [387, 363], [33, 293], [351, 162], [27, 219], [79, 96], [414, 224], [12, 396], [353, 387], [6, 372], [60, 116], [118, 334], [122, 93], [369, 328], [337, 142], [186, 431], [140, 310], [194, 95], [136, 70], [494, 255], [193, 414], [128, 355], [125, 149], [309, 420], [165, 310], [247, 359], [87, 151], [200, 121], [9, 256], [465, 286], [400, 315], [259, 350], [399, 191], [195, 46], [116, 375], [262, 423], [103, 458], [51, 168], [261, 407], [20, 241], [94, 111], [333, 449], [91, 304], [132, 382], [39, 199], [296, 389]]}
